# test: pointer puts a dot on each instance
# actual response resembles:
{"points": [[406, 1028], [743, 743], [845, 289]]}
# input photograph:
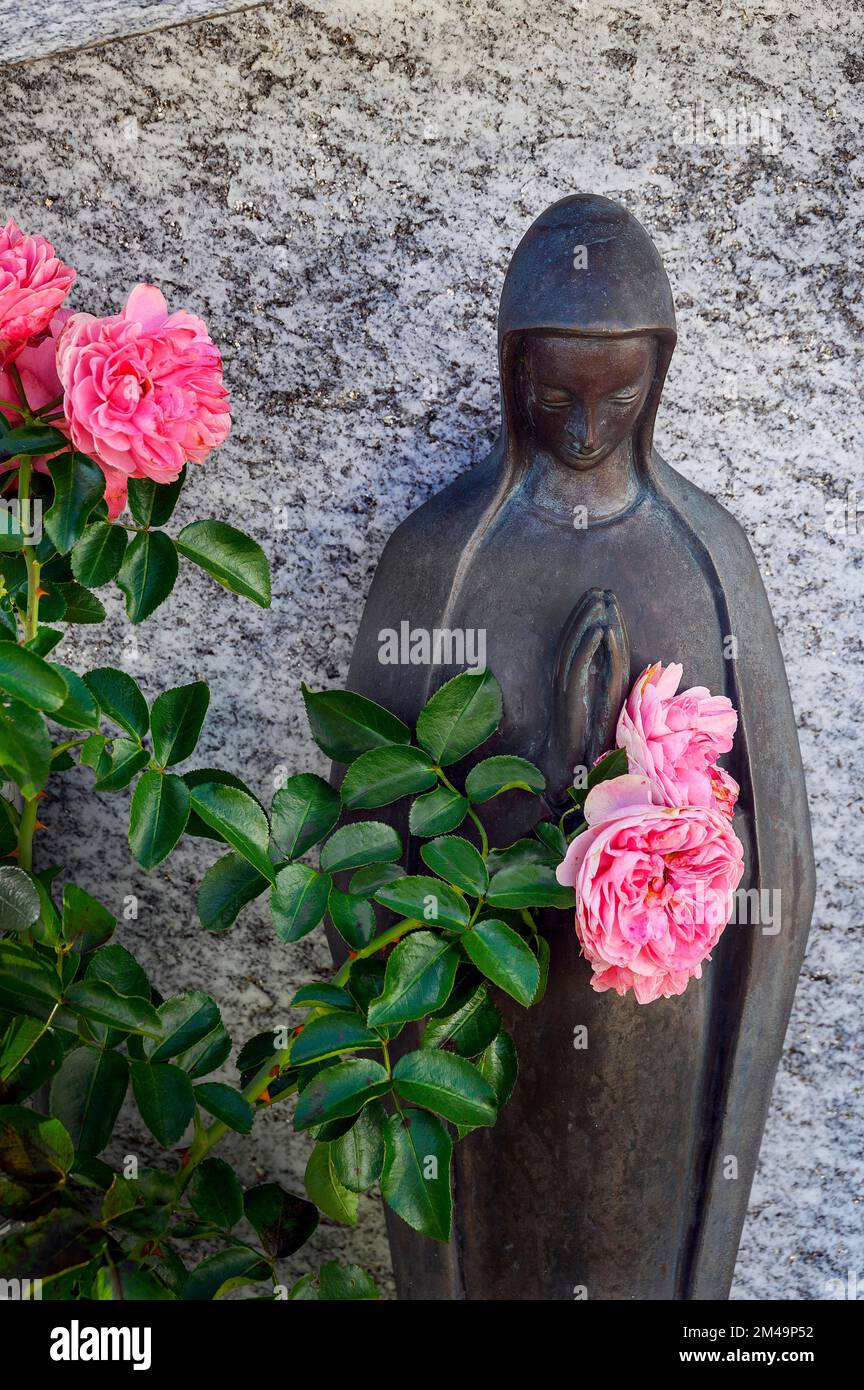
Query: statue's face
{"points": [[584, 395]]}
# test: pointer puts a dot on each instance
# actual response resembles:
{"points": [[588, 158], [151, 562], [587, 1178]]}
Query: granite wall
{"points": [[336, 188]]}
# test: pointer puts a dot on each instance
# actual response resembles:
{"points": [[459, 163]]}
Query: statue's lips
{"points": [[583, 455]]}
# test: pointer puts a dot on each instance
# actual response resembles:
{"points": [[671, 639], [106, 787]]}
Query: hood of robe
{"points": [[587, 267]]}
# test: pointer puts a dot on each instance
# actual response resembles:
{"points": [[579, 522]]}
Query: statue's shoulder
{"points": [[711, 521], [446, 519]]}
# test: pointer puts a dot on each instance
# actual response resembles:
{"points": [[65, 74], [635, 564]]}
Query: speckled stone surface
{"points": [[30, 30], [336, 189]]}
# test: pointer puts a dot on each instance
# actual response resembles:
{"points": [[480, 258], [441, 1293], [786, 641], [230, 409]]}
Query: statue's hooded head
{"points": [[586, 329]]}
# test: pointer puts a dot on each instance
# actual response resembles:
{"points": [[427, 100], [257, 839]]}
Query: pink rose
{"points": [[33, 283], [143, 389], [37, 367], [655, 887], [675, 739]]}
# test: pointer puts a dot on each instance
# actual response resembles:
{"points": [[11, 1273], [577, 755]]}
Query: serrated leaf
{"points": [[504, 958], [239, 820], [126, 760], [176, 721], [226, 1270], [365, 842], [215, 1193], [157, 817], [282, 1221], [438, 812], [462, 714], [79, 710], [29, 679], [495, 775], [148, 573], [304, 810], [457, 861], [529, 886], [165, 1100], [468, 1028], [98, 555], [100, 1002], [447, 1084], [325, 1189], [227, 1104], [25, 748], [426, 899], [230, 557], [86, 1096], [358, 1155], [19, 900], [340, 1090], [329, 1036], [152, 504], [416, 1178], [120, 698], [183, 1021], [383, 775], [418, 979], [226, 888], [79, 483], [353, 918], [298, 901], [344, 725]]}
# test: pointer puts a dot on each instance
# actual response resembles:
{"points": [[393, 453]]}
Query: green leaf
{"points": [[79, 483], [79, 605], [368, 880], [298, 901], [25, 748], [176, 721], [158, 815], [117, 967], [233, 559], [544, 958], [416, 1177], [196, 777], [226, 1270], [281, 1221], [419, 978], [344, 1282], [447, 1084], [227, 1104], [384, 775], [26, 677], [86, 923], [128, 1282], [520, 854], [467, 1028], [437, 812], [496, 775], [427, 899], [215, 1193], [226, 888], [330, 1035], [365, 842], [120, 698], [165, 1099], [33, 1150], [552, 837], [239, 819], [325, 1189], [499, 1065], [46, 639], [504, 958], [79, 710], [183, 1021], [206, 1054], [29, 1057], [460, 716], [353, 918], [98, 555], [101, 1003], [321, 995], [148, 573], [26, 975], [126, 761], [19, 900], [358, 1155], [152, 504], [86, 1096], [31, 439], [612, 764], [304, 810], [458, 862], [344, 725], [529, 886], [341, 1090]]}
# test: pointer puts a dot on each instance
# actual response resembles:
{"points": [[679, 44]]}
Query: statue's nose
{"points": [[581, 426]]}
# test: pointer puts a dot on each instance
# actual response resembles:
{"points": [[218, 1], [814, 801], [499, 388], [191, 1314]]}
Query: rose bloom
{"points": [[675, 740], [37, 368], [33, 284], [655, 887], [143, 390]]}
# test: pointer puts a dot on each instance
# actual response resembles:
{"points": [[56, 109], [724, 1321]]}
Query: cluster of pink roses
{"points": [[140, 392], [656, 867]]}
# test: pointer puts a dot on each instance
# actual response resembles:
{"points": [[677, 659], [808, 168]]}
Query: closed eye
{"points": [[624, 397], [554, 398]]}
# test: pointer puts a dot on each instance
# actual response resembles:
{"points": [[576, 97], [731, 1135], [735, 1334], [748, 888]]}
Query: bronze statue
{"points": [[620, 1170]]}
